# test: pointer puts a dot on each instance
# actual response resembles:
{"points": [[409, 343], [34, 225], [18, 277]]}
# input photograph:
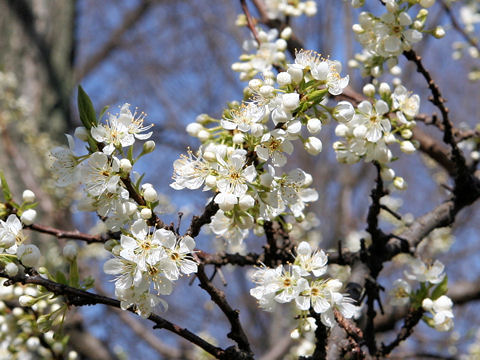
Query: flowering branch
{"points": [[77, 297]]}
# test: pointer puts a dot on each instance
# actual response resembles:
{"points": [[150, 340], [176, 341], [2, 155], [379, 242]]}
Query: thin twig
{"points": [[250, 22]]}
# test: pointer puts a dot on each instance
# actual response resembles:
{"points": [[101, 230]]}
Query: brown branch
{"points": [[250, 22], [218, 297], [411, 320], [434, 150], [62, 234], [354, 335], [222, 259], [439, 101], [198, 221], [77, 297]]}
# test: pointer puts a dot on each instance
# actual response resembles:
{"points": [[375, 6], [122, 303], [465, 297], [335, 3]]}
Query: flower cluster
{"points": [[21, 329], [369, 129], [303, 283], [262, 57], [103, 170], [278, 9], [384, 38], [146, 258], [243, 153], [12, 241], [430, 296]]}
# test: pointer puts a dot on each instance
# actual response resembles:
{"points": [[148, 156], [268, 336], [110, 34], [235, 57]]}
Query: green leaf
{"points": [[104, 110], [86, 109], [60, 278], [88, 283], [74, 277], [6, 190], [139, 181], [441, 289]]}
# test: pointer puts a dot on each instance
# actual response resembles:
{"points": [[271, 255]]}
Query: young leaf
{"points": [[6, 190], [86, 109], [441, 289], [74, 277]]}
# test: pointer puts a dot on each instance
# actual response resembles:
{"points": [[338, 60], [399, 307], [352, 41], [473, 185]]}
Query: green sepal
{"points": [[429, 321], [29, 206], [86, 109]]}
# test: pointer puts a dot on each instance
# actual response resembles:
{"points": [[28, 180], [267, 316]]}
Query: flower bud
{"points": [[150, 195], [33, 343], [284, 78], [313, 145], [70, 250], [357, 29], [314, 125], [81, 133], [286, 33], [130, 208], [28, 196], [400, 183], [427, 3], [308, 180], [11, 269], [149, 146], [390, 138], [146, 186], [246, 202], [290, 101], [193, 129], [384, 89], [26, 300], [296, 74], [203, 135], [406, 133], [358, 3], [202, 119], [439, 32], [28, 216], [211, 181], [125, 165], [238, 138], [109, 244], [117, 249], [407, 147], [72, 355], [146, 213], [427, 304], [341, 130], [267, 90], [29, 255], [369, 90], [387, 174], [255, 84]]}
